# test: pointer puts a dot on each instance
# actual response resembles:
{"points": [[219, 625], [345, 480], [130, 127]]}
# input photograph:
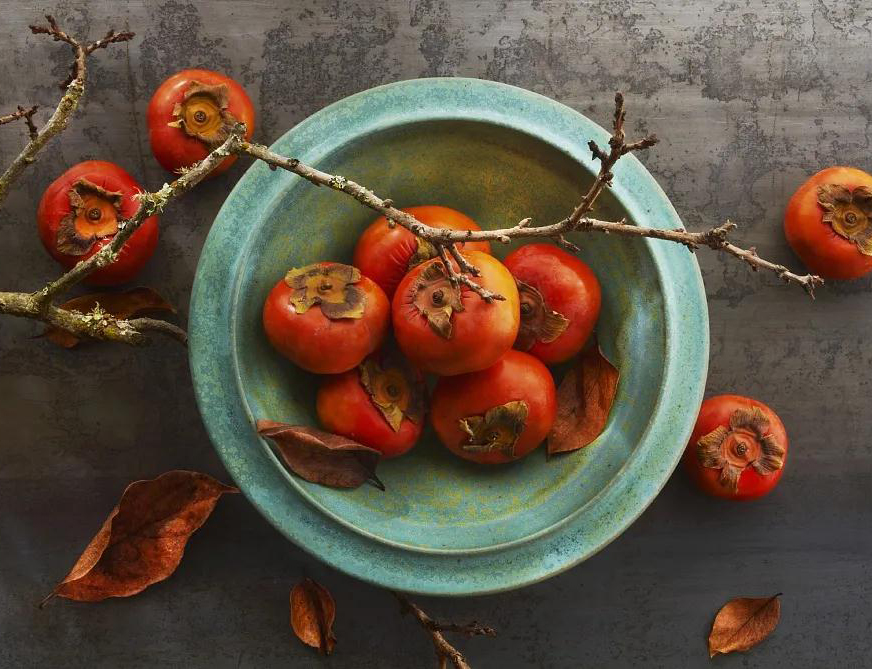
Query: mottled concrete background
{"points": [[749, 98]]}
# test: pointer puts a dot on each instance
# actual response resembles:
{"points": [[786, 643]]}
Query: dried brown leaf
{"points": [[143, 539], [321, 457], [584, 400], [127, 304], [312, 614], [744, 622]]}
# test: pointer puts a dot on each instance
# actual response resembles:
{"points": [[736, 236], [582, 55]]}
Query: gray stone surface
{"points": [[749, 97]]}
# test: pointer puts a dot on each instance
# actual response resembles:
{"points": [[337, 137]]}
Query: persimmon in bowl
{"points": [[444, 525]]}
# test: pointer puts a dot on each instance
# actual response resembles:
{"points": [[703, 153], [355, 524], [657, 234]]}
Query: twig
{"points": [[26, 114], [94, 325], [83, 326], [161, 327], [716, 239], [75, 89], [617, 148], [458, 275], [445, 652]]}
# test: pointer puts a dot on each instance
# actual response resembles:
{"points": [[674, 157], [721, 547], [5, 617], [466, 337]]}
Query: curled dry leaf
{"points": [[321, 457], [143, 539], [584, 400], [744, 622], [127, 304], [312, 614]]}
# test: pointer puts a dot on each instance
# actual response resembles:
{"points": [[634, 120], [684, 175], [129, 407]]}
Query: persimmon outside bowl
{"points": [[446, 526]]}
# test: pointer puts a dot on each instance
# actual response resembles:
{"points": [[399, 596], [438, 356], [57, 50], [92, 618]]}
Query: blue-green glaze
{"points": [[445, 526]]}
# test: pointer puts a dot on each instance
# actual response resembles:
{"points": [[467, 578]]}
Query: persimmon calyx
{"points": [[332, 286], [436, 298], [94, 214], [393, 390], [497, 430], [538, 322], [203, 113], [747, 443], [849, 213], [424, 250]]}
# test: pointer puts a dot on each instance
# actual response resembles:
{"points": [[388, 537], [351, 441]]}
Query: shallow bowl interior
{"points": [[497, 167]]}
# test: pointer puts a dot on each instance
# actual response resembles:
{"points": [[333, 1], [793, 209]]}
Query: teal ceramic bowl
{"points": [[445, 526]]}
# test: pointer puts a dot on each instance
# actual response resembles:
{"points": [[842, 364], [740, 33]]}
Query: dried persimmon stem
{"points": [[445, 652]]}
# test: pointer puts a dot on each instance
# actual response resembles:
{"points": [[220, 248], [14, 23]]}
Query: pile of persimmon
{"points": [[494, 399]]}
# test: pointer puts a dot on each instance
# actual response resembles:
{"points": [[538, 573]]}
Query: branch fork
{"points": [[445, 652]]}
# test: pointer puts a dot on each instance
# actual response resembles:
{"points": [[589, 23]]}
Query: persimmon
{"points": [[448, 329], [192, 113], [79, 214], [326, 317], [498, 414], [828, 223], [560, 301], [380, 404], [737, 449], [386, 251]]}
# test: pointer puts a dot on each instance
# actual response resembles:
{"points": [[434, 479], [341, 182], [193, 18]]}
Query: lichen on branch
{"points": [[94, 325]]}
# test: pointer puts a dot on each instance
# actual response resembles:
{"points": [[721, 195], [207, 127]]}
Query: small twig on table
{"points": [[160, 327], [77, 69], [445, 652], [716, 239]]}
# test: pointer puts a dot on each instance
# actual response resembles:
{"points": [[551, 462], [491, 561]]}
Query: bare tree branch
{"points": [[578, 220], [445, 652], [159, 326], [39, 305], [75, 89]]}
